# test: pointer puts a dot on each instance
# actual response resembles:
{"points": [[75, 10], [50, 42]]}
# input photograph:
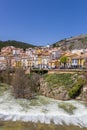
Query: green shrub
{"points": [[5, 77], [3, 87], [75, 91]]}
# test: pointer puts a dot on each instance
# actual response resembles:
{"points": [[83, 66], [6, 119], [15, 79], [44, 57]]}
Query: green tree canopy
{"points": [[63, 60], [16, 44]]}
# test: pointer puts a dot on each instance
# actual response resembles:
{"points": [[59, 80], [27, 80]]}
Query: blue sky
{"points": [[42, 22]]}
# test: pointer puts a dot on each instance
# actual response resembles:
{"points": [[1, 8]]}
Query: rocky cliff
{"points": [[62, 91]]}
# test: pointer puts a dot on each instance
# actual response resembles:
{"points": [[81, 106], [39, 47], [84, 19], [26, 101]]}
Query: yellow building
{"points": [[18, 64], [54, 64], [30, 62], [39, 60], [75, 60], [78, 61]]}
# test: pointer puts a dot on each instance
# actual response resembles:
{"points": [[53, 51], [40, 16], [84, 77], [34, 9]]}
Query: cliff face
{"points": [[56, 93], [83, 94], [78, 42], [61, 92]]}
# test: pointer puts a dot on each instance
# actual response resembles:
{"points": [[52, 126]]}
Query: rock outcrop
{"points": [[60, 92]]}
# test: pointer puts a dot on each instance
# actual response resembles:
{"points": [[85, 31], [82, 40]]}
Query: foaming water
{"points": [[44, 110]]}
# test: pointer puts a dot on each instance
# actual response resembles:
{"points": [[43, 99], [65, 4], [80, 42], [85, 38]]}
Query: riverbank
{"points": [[33, 126], [61, 86], [64, 86]]}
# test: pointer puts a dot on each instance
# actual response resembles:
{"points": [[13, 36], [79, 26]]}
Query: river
{"points": [[41, 113]]}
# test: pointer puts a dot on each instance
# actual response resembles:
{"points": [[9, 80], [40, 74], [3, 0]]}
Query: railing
{"points": [[67, 70]]}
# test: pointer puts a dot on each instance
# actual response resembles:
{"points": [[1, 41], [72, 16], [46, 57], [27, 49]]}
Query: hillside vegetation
{"points": [[16, 44], [78, 42], [64, 86]]}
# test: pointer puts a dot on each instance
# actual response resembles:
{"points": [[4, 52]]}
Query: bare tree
{"points": [[35, 82], [21, 87]]}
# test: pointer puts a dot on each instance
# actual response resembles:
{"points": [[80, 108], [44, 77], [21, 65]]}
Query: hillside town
{"points": [[42, 58]]}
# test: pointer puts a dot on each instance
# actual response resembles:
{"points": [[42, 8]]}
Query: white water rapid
{"points": [[44, 110]]}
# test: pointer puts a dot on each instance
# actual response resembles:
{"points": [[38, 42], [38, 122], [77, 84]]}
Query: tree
{"points": [[63, 60], [14, 43], [5, 77], [20, 85], [35, 83], [24, 86]]}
